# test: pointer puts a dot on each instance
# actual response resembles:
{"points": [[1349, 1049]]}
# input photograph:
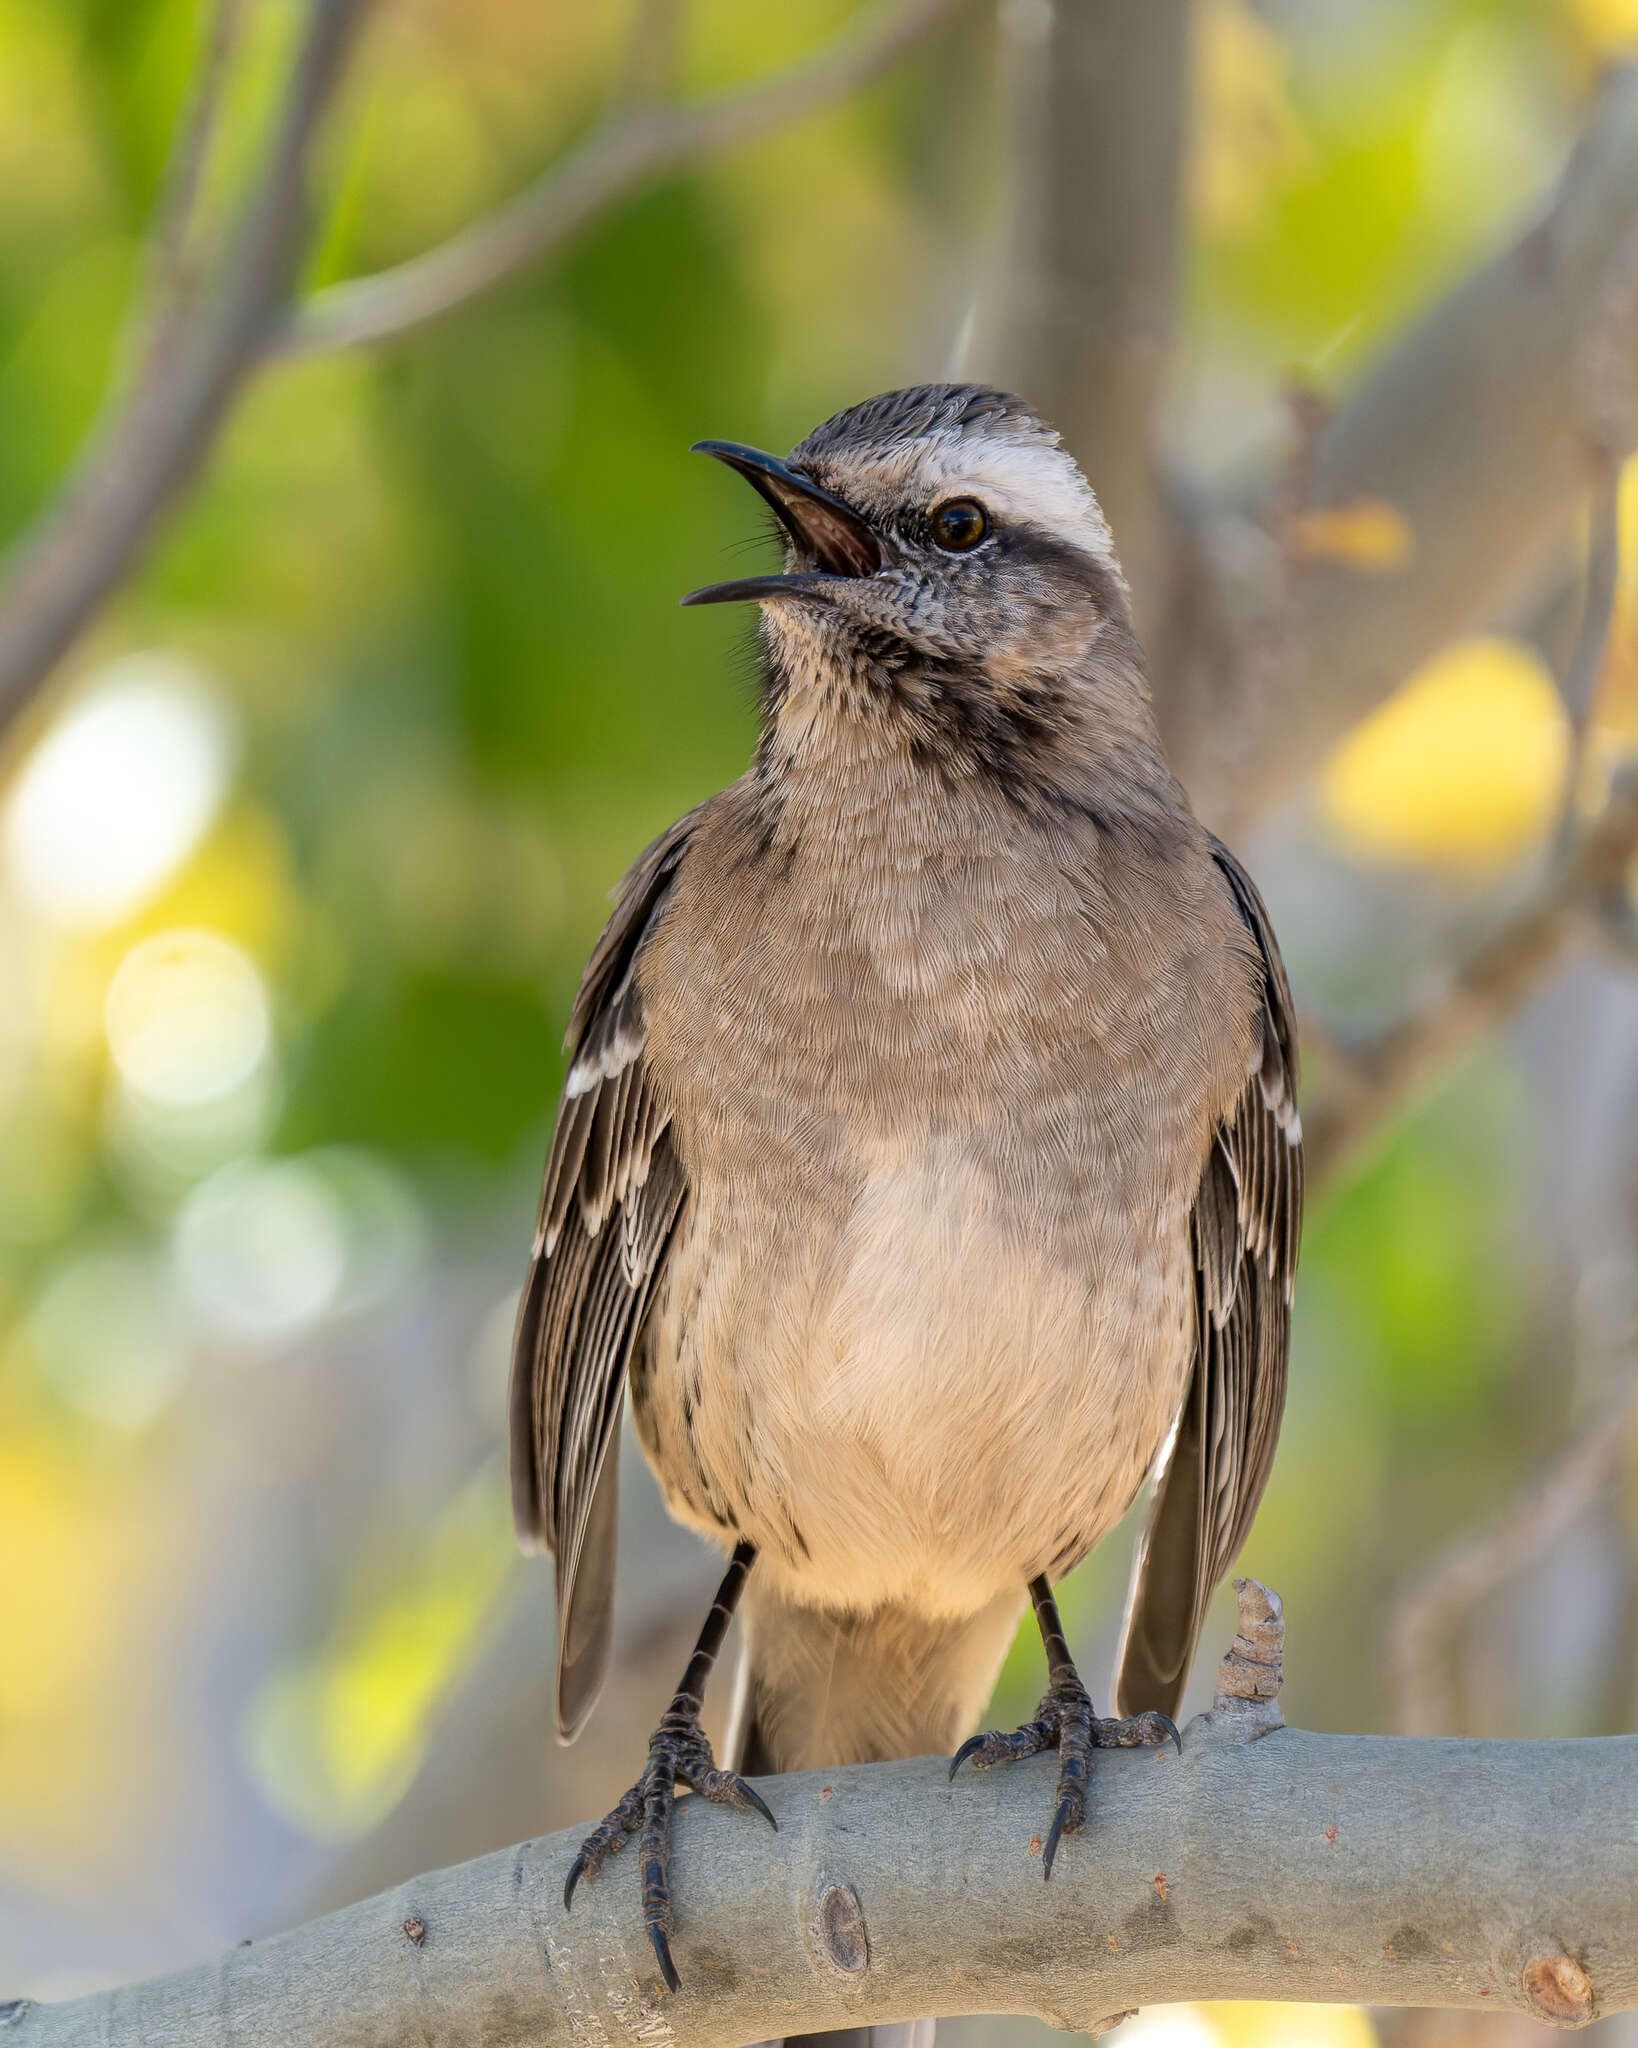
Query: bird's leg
{"points": [[677, 1750], [1064, 1721]]}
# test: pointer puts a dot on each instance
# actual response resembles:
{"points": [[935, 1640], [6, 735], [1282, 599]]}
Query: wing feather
{"points": [[1245, 1228], [610, 1199]]}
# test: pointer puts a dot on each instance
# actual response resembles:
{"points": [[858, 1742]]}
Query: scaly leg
{"points": [[1064, 1721], [677, 1750]]}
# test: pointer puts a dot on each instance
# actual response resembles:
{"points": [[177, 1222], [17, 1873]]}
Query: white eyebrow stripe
{"points": [[1025, 480]]}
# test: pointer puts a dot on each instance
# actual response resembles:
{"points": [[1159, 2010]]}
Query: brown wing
{"points": [[1247, 1217], [612, 1195]]}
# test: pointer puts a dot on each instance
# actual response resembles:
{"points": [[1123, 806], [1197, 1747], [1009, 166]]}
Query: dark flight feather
{"points": [[1246, 1223], [612, 1195]]}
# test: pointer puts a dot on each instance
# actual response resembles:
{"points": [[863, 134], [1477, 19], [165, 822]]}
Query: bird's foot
{"points": [[678, 1752], [1064, 1721]]}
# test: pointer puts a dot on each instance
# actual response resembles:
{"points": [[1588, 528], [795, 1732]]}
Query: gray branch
{"points": [[85, 542], [1428, 1625], [638, 146], [1366, 1087], [169, 253], [1265, 1862], [1487, 427]]}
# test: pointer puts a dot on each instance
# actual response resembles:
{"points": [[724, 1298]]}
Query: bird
{"points": [[928, 1169]]}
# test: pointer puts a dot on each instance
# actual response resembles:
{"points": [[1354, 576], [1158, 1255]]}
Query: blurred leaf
{"points": [[1245, 131], [1425, 131], [1367, 534]]}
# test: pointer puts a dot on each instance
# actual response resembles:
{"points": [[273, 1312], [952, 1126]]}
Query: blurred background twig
{"points": [[641, 141], [1367, 1085], [1428, 1627], [84, 543]]}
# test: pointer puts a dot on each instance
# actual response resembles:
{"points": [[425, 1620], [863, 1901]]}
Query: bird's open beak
{"points": [[829, 537]]}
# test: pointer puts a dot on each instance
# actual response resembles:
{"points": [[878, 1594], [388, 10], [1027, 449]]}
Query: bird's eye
{"points": [[959, 524]]}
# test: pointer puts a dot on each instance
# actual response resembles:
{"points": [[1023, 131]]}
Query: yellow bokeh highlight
{"points": [[1605, 28], [86, 1565], [1464, 764], [1259, 2023], [1248, 2023], [239, 883], [334, 1740], [59, 1605], [1367, 534]]}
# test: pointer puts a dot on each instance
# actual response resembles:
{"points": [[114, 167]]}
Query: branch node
{"points": [[1250, 1676], [415, 1929], [1557, 1990], [839, 1927]]}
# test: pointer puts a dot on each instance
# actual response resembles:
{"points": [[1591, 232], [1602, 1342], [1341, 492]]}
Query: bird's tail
{"points": [[818, 1688]]}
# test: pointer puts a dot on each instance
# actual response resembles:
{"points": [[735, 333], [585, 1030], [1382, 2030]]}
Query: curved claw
{"points": [[1054, 1837], [972, 1743], [756, 1799], [1170, 1726], [577, 1870], [662, 1955]]}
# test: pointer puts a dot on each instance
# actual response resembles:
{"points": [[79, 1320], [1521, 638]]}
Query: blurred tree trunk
{"points": [[1081, 308]]}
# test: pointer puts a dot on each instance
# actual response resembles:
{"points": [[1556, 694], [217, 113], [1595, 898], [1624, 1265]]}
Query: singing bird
{"points": [[928, 1166]]}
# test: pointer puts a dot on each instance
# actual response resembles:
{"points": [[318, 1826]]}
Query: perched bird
{"points": [[928, 1165]]}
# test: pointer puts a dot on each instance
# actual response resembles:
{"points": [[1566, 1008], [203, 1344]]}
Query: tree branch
{"points": [[1264, 1862], [84, 544], [1579, 684], [1364, 1091], [153, 443], [641, 144], [168, 244], [1484, 428], [653, 50]]}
